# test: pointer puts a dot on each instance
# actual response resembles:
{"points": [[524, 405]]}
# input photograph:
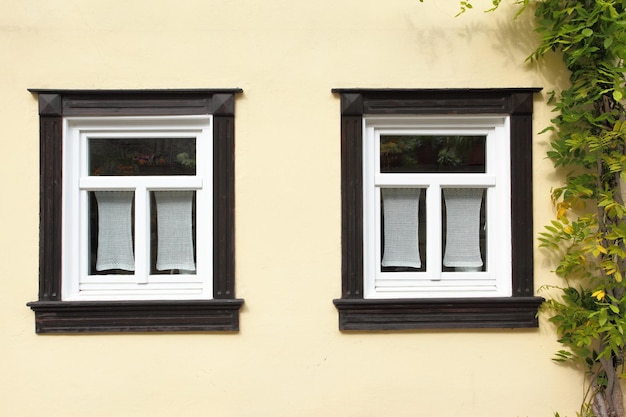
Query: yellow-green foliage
{"points": [[589, 232], [588, 139]]}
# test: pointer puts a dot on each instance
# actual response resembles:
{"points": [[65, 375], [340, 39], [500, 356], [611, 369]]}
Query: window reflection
{"points": [[142, 156], [421, 154]]}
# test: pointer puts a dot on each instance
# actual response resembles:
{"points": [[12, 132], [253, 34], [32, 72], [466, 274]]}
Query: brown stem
{"points": [[618, 400], [608, 401], [598, 404]]}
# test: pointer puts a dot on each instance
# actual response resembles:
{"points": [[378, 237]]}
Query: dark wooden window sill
{"points": [[452, 313], [136, 316]]}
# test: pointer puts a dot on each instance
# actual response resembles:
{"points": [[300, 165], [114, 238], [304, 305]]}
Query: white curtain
{"points": [[463, 227], [401, 219], [174, 230], [115, 240]]}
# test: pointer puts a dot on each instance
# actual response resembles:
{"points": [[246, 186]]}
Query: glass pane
{"points": [[149, 156], [464, 229], [172, 232], [420, 154], [111, 232], [403, 229]]}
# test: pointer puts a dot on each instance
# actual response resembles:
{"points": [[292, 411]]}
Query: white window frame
{"points": [[495, 281], [77, 284]]}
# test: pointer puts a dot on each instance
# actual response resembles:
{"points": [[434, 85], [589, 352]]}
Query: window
{"points": [[436, 209], [433, 207], [137, 207], [136, 186]]}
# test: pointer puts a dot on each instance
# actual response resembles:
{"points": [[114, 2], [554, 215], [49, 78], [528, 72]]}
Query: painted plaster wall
{"points": [[289, 359]]}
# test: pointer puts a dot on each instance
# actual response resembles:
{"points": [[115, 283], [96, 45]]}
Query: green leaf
{"points": [[587, 135]]}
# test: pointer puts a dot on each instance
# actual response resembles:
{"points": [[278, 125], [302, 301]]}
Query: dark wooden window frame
{"points": [[52, 314], [358, 313]]}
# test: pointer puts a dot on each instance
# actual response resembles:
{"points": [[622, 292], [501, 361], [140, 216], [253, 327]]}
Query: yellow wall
{"points": [[289, 359]]}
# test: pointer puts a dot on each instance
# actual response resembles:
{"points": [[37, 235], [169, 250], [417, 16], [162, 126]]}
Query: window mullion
{"points": [[142, 234], [433, 231]]}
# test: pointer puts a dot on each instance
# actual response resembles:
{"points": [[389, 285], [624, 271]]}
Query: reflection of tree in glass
{"points": [[150, 156], [396, 151], [428, 153], [454, 149]]}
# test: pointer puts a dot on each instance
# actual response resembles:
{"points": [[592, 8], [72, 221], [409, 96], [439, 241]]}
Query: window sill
{"points": [[406, 314], [136, 316]]}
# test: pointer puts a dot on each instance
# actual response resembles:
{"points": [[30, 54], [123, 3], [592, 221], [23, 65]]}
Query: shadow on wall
{"points": [[513, 37], [518, 34]]}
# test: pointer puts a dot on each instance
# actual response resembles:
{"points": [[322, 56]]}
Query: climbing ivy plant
{"points": [[588, 147], [589, 232]]}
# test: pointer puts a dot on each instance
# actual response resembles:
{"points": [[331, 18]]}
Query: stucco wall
{"points": [[289, 359]]}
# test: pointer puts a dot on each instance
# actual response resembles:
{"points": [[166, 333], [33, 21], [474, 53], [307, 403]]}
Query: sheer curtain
{"points": [[401, 220], [115, 240], [174, 230], [463, 228]]}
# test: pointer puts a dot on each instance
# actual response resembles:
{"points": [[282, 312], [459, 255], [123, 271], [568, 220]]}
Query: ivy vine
{"points": [[588, 234]]}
